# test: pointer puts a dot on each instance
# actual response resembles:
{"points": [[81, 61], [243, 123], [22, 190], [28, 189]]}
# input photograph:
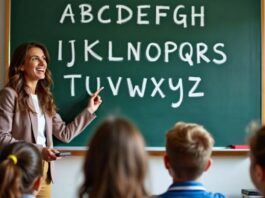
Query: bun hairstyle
{"points": [[20, 165]]}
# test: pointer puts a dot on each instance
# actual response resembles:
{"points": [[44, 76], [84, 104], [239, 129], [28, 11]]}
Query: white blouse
{"points": [[41, 139]]}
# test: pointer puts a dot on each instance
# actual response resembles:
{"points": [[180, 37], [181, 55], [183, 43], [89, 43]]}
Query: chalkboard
{"points": [[159, 61]]}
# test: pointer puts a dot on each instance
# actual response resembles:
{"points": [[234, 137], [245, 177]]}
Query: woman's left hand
{"points": [[95, 101]]}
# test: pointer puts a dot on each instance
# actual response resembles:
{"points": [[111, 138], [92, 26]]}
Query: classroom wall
{"points": [[2, 39], [229, 174]]}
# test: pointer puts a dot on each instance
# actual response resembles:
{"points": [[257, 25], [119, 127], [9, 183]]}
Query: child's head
{"points": [[20, 169], [115, 164], [188, 151], [257, 159]]}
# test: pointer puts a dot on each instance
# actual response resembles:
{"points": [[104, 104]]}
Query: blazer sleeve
{"points": [[66, 132], [7, 111]]}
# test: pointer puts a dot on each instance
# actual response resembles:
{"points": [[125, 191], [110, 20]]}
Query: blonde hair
{"points": [[116, 162], [188, 147]]}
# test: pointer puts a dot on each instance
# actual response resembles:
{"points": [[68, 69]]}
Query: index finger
{"points": [[98, 91]]}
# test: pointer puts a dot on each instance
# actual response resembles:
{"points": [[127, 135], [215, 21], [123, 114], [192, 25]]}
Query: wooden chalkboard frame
{"points": [[217, 152]]}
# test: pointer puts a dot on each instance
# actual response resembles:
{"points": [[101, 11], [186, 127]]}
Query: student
{"points": [[115, 164], [28, 111], [257, 159], [188, 152], [20, 170]]}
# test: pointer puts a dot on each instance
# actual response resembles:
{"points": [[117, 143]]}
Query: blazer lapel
{"points": [[33, 119]]}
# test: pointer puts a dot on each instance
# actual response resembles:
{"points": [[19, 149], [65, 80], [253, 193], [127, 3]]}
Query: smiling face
{"points": [[34, 66]]}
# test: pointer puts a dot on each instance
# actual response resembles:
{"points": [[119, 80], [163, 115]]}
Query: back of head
{"points": [[20, 165], [257, 156], [188, 147], [115, 164], [257, 147]]}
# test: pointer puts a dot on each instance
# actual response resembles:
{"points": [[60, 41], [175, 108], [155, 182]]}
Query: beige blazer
{"points": [[16, 125]]}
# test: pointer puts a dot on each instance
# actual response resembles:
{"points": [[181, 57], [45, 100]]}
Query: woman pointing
{"points": [[28, 112]]}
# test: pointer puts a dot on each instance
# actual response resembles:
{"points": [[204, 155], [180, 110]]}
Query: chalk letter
{"points": [[147, 53], [132, 50], [122, 19], [140, 14], [88, 50], [193, 15], [70, 64], [183, 17], [111, 58], [88, 86], [192, 94], [169, 49], [224, 57], [100, 13], [85, 13], [175, 88], [136, 88], [160, 14], [157, 87], [188, 55], [201, 50], [68, 12], [60, 43], [114, 89], [72, 84]]}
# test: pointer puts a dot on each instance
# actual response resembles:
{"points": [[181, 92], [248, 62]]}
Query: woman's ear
{"points": [[21, 67]]}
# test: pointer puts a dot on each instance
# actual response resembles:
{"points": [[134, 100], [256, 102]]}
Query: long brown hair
{"points": [[17, 177], [17, 80], [115, 164]]}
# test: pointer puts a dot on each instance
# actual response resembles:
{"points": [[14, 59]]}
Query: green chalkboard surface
{"points": [[159, 61]]}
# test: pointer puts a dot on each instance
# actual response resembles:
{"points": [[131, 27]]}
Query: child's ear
{"points": [[168, 166], [166, 161], [258, 173], [37, 183], [208, 164]]}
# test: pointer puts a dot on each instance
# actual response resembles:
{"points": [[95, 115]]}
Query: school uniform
{"points": [[190, 189]]}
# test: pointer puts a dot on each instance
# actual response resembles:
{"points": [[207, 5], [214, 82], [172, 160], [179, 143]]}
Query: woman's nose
{"points": [[42, 62]]}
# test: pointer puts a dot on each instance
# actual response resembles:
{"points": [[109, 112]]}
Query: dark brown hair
{"points": [[17, 80], [17, 178], [188, 147], [257, 146], [115, 164]]}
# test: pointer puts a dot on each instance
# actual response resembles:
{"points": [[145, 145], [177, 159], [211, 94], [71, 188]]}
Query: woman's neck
{"points": [[32, 87]]}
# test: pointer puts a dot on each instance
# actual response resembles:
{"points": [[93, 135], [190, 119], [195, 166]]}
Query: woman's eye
{"points": [[34, 58]]}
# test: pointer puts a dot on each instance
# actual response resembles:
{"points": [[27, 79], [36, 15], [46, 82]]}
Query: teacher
{"points": [[28, 112]]}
